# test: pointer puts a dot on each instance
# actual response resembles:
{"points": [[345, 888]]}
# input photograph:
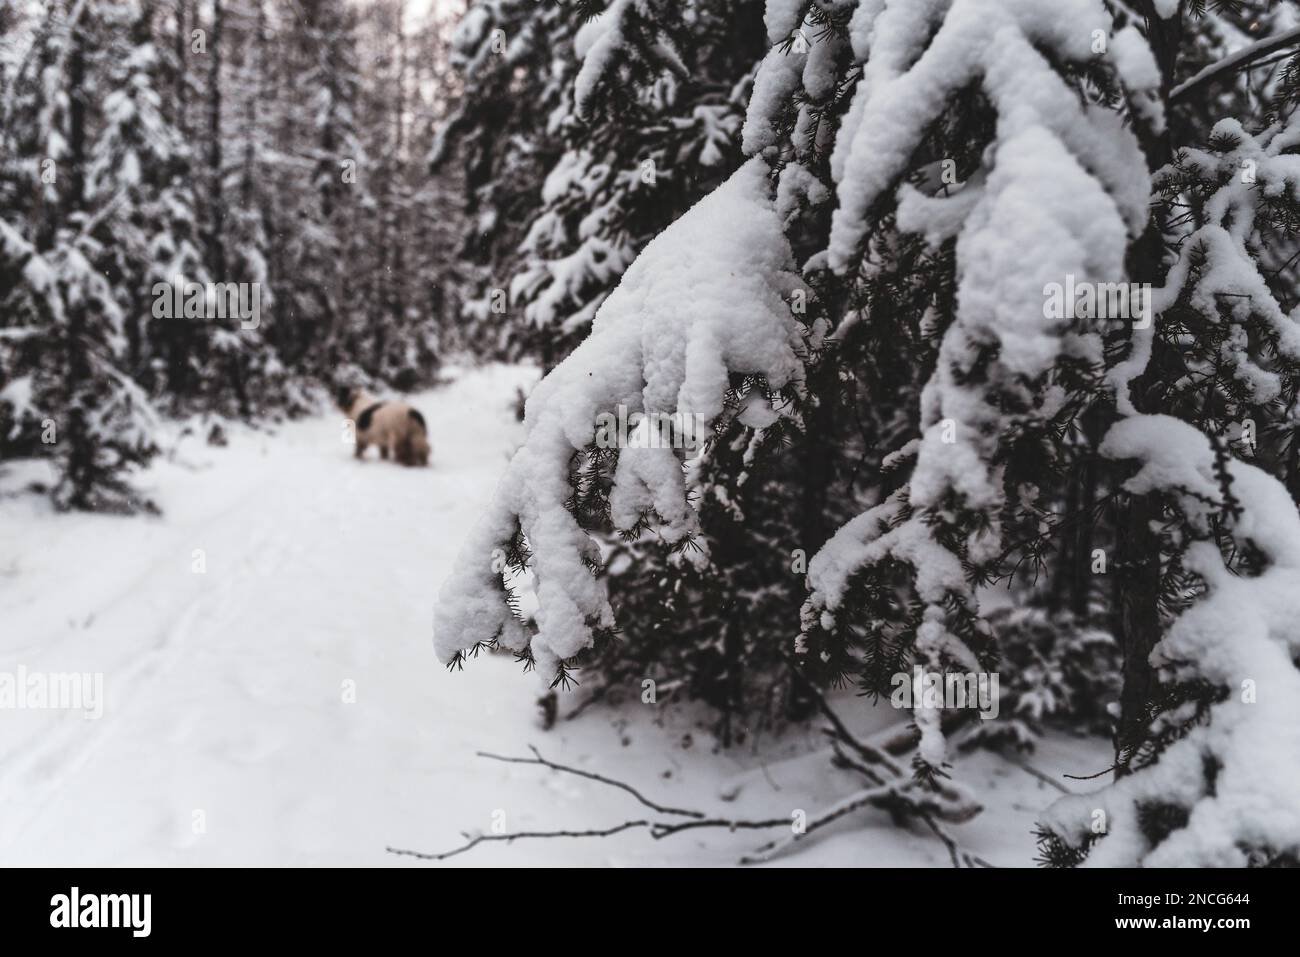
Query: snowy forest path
{"points": [[269, 633], [271, 695]]}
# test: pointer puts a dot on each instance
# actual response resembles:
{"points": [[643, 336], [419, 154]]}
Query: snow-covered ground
{"points": [[285, 706]]}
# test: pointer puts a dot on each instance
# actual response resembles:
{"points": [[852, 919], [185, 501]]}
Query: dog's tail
{"points": [[414, 447]]}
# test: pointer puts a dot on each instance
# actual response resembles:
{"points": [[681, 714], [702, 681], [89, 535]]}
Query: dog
{"points": [[397, 428]]}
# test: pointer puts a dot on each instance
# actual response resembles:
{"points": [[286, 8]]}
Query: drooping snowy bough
{"points": [[707, 300], [1061, 191]]}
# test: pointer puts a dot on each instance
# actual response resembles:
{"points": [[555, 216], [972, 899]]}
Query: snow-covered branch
{"points": [[1233, 63]]}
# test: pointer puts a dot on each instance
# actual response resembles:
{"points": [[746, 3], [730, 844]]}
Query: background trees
{"points": [[222, 141], [634, 114]]}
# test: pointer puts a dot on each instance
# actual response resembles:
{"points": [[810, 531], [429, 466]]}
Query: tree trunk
{"points": [[182, 73], [216, 207], [1138, 558], [1081, 595], [79, 470]]}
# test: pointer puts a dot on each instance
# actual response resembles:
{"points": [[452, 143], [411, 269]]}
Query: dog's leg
{"points": [[383, 452], [361, 449]]}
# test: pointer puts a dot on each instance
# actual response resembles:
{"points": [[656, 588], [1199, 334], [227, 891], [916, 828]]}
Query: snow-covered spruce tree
{"points": [[1213, 785], [437, 284], [383, 125], [799, 94], [318, 191], [313, 171], [708, 299], [140, 171], [204, 153], [650, 125], [638, 114], [245, 361], [896, 307], [940, 168], [1203, 782], [329, 117], [644, 139], [405, 255], [257, 172], [1041, 106], [504, 53], [64, 394], [1014, 100], [30, 142]]}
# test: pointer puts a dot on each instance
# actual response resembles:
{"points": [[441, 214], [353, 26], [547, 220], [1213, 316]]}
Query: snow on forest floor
{"points": [[225, 738]]}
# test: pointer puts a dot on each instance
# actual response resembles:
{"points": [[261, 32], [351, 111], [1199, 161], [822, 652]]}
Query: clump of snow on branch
{"points": [[626, 40], [998, 43], [567, 289], [705, 301], [1217, 273]]}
